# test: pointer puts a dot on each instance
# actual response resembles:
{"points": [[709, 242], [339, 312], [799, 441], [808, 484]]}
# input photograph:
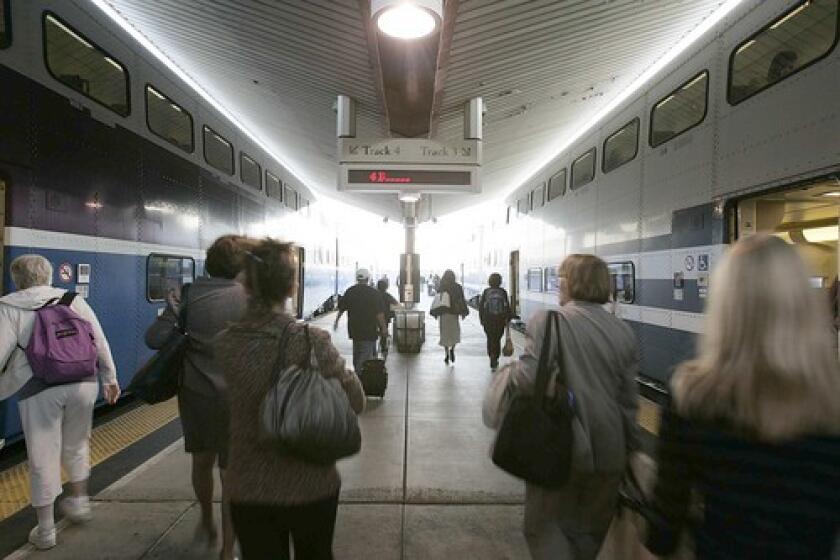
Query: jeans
{"points": [[363, 350], [264, 529]]}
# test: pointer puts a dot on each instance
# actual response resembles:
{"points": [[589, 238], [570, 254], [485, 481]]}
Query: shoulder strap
{"points": [[561, 370], [47, 304], [182, 311], [543, 370], [67, 298]]}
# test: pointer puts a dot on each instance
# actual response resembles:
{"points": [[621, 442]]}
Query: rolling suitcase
{"points": [[374, 377]]}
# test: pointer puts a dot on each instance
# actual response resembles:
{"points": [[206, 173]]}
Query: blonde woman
{"points": [[755, 423]]}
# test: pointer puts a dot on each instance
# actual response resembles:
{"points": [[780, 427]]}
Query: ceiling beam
{"points": [[375, 64], [450, 14]]}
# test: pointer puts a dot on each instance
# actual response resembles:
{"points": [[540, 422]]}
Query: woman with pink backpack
{"points": [[53, 350]]}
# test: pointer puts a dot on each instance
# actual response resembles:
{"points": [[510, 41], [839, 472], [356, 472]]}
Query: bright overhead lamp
{"points": [[409, 197], [831, 194], [820, 234], [407, 19]]}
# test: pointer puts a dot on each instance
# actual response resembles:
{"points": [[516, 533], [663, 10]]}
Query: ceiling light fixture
{"points": [[831, 194], [404, 19], [409, 197]]}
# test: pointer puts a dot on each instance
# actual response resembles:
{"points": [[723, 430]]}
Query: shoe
{"points": [[77, 510], [42, 540], [206, 534], [452, 355], [446, 359]]}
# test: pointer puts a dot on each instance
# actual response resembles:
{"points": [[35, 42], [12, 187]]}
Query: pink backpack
{"points": [[61, 348]]}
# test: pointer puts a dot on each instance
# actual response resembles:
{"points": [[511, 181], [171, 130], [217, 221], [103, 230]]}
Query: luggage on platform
{"points": [[374, 377]]}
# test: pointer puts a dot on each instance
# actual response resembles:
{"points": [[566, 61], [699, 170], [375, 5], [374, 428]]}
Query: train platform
{"points": [[423, 485]]}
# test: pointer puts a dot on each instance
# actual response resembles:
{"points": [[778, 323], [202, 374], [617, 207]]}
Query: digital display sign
{"points": [[408, 177]]}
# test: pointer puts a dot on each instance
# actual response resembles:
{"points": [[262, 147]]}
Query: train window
{"points": [[165, 273], [218, 152], [523, 205], [273, 186], [535, 280], [5, 24], [621, 147], [538, 196], [168, 120], [557, 185], [798, 38], [250, 171], [79, 64], [583, 169], [681, 110], [290, 198], [552, 279], [623, 279]]}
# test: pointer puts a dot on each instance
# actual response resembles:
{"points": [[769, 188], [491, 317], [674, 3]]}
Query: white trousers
{"points": [[56, 425]]}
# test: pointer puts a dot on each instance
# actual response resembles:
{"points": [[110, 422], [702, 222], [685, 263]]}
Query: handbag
{"points": [[535, 438], [160, 377], [306, 415], [507, 349], [440, 303]]}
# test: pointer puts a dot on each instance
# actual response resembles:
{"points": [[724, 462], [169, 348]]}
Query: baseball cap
{"points": [[362, 274]]}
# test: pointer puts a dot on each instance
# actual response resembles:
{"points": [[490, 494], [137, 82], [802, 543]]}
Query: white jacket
{"points": [[17, 318]]}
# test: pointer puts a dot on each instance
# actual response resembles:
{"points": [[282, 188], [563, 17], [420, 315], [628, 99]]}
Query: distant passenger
{"points": [[600, 361], [387, 301], [56, 405], [494, 313], [273, 495], [213, 302], [450, 316], [754, 430], [365, 318]]}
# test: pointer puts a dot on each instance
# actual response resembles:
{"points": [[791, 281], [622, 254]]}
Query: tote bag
{"points": [[306, 415], [159, 378], [439, 304], [535, 439]]}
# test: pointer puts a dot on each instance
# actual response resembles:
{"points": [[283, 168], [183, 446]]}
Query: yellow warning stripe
{"points": [[649, 415], [106, 440]]}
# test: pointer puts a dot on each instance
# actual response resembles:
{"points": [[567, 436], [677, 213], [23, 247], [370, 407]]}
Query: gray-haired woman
{"points": [[600, 362], [56, 418]]}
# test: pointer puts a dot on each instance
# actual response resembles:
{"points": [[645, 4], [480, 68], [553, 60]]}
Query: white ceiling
{"points": [[543, 67]]}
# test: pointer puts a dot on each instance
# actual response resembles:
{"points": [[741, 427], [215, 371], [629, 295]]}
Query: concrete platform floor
{"points": [[422, 487]]}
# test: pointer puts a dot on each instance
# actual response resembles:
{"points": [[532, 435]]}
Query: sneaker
{"points": [[77, 510], [42, 540]]}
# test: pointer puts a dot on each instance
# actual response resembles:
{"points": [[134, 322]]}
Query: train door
{"points": [[514, 282], [806, 216]]}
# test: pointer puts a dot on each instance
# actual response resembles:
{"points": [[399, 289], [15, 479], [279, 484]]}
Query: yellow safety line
{"points": [[106, 440], [649, 415]]}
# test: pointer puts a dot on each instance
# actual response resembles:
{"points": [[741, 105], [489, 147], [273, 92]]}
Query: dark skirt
{"points": [[205, 423]]}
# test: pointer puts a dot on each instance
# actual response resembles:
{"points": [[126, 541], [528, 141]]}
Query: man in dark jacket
{"points": [[365, 318], [494, 313]]}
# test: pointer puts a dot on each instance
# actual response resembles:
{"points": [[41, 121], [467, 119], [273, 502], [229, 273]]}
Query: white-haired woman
{"points": [[56, 418], [754, 427]]}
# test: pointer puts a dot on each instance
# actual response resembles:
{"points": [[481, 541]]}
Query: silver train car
{"points": [[739, 134]]}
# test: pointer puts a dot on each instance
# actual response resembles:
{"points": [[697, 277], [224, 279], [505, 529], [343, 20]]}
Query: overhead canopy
{"points": [[543, 68]]}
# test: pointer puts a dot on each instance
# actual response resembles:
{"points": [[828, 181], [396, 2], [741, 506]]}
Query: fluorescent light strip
{"points": [[550, 154], [112, 13], [790, 15]]}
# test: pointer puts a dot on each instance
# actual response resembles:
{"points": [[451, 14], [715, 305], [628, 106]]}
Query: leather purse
{"points": [[160, 377], [535, 439]]}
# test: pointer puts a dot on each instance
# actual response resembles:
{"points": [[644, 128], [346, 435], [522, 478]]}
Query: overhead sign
{"points": [[409, 150], [409, 178]]}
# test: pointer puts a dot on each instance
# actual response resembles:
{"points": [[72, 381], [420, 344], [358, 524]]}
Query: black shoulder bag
{"points": [[160, 378], [535, 440]]}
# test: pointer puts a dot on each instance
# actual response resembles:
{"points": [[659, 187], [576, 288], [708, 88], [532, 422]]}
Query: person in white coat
{"points": [[56, 418]]}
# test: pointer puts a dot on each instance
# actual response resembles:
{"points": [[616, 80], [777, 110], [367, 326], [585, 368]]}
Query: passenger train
{"points": [[739, 134], [122, 177]]}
